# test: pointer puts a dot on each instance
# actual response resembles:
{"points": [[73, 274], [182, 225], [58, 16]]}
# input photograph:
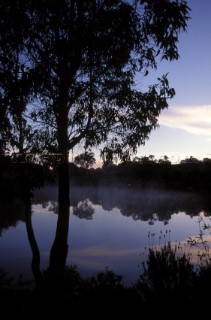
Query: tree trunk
{"points": [[34, 247], [63, 181], [63, 169], [59, 248]]}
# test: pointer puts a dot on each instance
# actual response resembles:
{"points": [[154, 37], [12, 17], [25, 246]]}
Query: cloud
{"points": [[193, 119]]}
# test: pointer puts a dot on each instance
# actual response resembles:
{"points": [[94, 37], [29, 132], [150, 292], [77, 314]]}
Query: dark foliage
{"points": [[183, 176], [168, 279], [19, 179]]}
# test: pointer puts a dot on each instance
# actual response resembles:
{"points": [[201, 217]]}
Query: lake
{"points": [[108, 228]]}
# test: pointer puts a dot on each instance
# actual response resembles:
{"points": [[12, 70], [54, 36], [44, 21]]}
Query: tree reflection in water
{"points": [[146, 205], [58, 253], [140, 204], [84, 210]]}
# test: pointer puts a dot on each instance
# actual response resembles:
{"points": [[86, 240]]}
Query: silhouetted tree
{"points": [[189, 160], [85, 159], [83, 58], [164, 160]]}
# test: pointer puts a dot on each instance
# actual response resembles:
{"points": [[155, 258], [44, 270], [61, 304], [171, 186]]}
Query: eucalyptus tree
{"points": [[79, 61], [84, 58]]}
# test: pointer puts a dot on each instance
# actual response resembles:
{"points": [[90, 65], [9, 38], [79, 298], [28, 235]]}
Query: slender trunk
{"points": [[34, 247], [63, 181], [21, 135], [63, 170], [59, 248]]}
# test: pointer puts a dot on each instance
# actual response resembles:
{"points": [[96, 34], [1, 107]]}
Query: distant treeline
{"points": [[189, 174]]}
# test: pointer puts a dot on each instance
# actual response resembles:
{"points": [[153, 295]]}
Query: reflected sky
{"points": [[107, 239]]}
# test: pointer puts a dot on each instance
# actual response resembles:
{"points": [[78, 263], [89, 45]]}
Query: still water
{"points": [[108, 228]]}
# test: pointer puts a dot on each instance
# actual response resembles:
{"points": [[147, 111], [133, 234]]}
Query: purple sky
{"points": [[185, 127]]}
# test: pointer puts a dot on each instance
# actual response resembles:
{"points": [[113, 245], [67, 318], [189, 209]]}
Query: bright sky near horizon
{"points": [[185, 127]]}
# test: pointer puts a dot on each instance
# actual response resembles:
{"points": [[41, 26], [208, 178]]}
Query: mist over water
{"points": [[109, 227]]}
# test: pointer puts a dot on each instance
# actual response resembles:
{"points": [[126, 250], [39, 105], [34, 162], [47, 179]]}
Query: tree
{"points": [[190, 160], [85, 160], [82, 59], [164, 160]]}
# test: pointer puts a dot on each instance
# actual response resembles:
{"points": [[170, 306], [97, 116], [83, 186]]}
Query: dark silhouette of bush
{"points": [[168, 279]]}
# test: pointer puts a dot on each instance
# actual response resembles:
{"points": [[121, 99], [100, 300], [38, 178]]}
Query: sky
{"points": [[185, 127]]}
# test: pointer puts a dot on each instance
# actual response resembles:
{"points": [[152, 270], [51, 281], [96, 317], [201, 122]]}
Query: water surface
{"points": [[108, 227]]}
